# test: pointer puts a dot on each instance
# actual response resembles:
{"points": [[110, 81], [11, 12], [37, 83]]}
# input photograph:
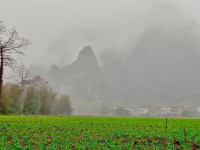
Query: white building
{"points": [[199, 108], [137, 111]]}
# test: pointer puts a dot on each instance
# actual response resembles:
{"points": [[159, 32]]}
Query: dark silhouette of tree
{"points": [[11, 46], [120, 111], [24, 75], [64, 105]]}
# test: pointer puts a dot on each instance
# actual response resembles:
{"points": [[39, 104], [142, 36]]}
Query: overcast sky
{"points": [[58, 29]]}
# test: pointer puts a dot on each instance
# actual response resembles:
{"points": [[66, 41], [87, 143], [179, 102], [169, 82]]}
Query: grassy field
{"points": [[98, 133]]}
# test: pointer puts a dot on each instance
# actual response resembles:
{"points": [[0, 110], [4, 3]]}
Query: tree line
{"points": [[32, 95], [35, 97]]}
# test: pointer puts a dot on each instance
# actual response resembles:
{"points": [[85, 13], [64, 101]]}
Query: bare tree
{"points": [[11, 46], [24, 74]]}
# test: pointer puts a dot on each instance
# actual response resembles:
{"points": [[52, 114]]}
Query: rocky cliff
{"points": [[82, 80]]}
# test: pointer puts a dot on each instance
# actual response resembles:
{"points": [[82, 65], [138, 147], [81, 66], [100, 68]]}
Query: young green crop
{"points": [[48, 132]]}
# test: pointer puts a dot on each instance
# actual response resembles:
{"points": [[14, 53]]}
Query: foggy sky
{"points": [[59, 29]]}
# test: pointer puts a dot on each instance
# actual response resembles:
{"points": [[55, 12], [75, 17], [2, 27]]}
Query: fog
{"points": [[148, 51]]}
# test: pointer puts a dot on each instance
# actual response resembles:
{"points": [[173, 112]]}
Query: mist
{"points": [[148, 51]]}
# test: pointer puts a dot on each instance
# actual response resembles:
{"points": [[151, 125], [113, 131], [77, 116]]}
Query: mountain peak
{"points": [[86, 54], [82, 79], [54, 68]]}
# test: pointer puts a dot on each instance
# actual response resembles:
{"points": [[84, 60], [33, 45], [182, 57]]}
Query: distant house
{"points": [[153, 111], [142, 111], [175, 112], [164, 111], [199, 108], [111, 111], [137, 111], [131, 111]]}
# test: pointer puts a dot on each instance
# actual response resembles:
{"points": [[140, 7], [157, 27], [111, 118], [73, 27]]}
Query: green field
{"points": [[98, 133]]}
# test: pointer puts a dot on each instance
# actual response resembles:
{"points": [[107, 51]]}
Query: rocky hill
{"points": [[82, 80], [163, 69], [160, 71]]}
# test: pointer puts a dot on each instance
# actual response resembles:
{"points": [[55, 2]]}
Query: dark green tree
{"points": [[47, 96], [64, 105], [32, 102], [120, 111], [11, 94]]}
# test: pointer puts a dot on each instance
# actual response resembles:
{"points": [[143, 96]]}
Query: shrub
{"points": [[64, 106]]}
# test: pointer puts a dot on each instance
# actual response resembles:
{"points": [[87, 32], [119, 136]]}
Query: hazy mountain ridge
{"points": [[82, 80], [162, 68], [152, 74]]}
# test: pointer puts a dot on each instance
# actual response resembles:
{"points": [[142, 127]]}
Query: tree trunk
{"points": [[1, 77]]}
